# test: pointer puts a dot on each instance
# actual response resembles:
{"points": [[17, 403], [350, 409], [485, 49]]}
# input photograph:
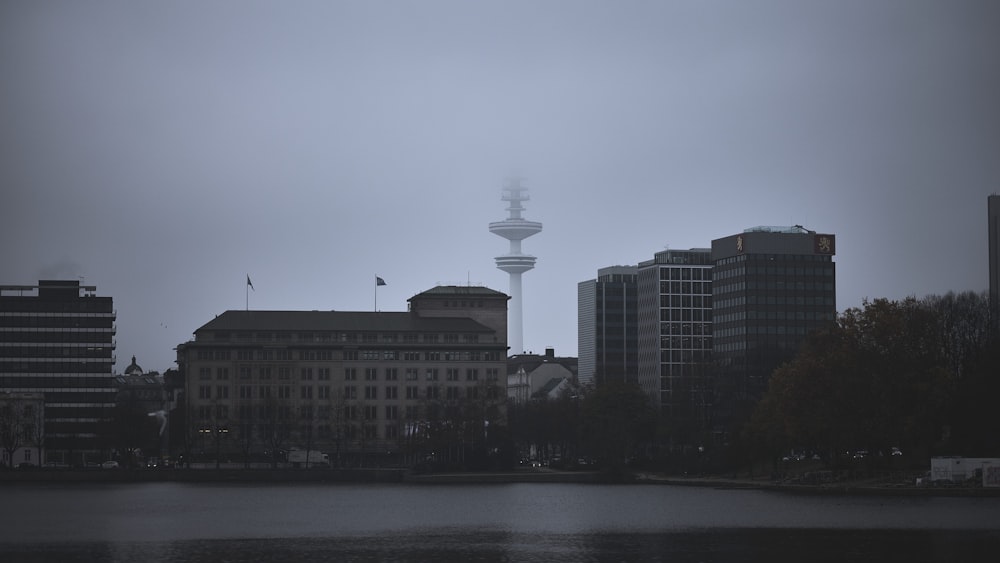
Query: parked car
{"points": [[110, 464]]}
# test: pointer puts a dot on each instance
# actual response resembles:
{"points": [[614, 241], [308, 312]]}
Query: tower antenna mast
{"points": [[515, 229]]}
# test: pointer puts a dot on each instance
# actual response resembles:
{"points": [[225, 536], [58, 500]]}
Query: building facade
{"points": [[771, 287], [57, 338], [675, 337], [607, 331], [357, 385]]}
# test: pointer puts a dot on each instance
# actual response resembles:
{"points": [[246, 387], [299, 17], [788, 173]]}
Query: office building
{"points": [[771, 287], [57, 338], [607, 337], [394, 386], [675, 337]]}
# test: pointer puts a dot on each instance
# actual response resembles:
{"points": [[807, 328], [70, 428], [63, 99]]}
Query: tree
{"points": [[617, 418], [878, 379], [12, 426]]}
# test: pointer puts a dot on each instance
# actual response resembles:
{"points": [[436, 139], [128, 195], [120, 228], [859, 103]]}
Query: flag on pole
{"points": [[249, 283], [379, 281]]}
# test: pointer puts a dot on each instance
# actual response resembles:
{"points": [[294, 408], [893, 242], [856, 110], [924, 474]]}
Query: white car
{"points": [[109, 465]]}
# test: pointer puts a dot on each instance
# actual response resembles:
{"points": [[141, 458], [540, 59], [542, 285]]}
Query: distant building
{"points": [[607, 331], [533, 376], [356, 385], [675, 336], [142, 410], [771, 287], [58, 339]]}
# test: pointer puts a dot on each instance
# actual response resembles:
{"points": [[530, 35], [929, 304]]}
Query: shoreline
{"points": [[404, 476]]}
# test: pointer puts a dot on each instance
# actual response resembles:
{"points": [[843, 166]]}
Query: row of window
{"points": [[284, 354], [344, 337], [265, 373], [778, 315], [348, 393], [771, 285]]}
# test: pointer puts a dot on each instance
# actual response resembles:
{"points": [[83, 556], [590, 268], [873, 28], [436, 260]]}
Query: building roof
{"points": [[462, 290], [340, 321]]}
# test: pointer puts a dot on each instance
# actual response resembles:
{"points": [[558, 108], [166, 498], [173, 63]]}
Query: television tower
{"points": [[515, 229]]}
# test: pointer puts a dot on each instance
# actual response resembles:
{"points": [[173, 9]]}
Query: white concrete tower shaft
{"points": [[515, 229]]}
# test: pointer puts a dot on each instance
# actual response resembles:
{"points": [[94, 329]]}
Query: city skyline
{"points": [[163, 153]]}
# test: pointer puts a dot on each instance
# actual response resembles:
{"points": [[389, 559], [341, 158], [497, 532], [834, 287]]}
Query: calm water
{"points": [[174, 522]]}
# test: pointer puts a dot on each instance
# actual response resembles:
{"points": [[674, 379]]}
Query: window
{"points": [[391, 412], [371, 412], [411, 356], [451, 393], [306, 392], [492, 374], [412, 392], [412, 412], [204, 391], [391, 374], [244, 355], [246, 392], [452, 374], [350, 374], [472, 374], [323, 374], [306, 374], [371, 392], [371, 374], [204, 373], [432, 374], [350, 392], [472, 392], [323, 392], [433, 392], [245, 372], [222, 373], [222, 392], [391, 432], [391, 392], [412, 374]]}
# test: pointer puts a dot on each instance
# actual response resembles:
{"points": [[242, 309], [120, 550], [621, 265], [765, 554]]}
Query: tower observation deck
{"points": [[515, 229]]}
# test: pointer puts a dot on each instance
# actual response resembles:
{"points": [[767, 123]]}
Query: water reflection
{"points": [[747, 545], [175, 522]]}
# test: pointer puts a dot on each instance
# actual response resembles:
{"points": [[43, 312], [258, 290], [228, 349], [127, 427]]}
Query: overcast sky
{"points": [[164, 150]]}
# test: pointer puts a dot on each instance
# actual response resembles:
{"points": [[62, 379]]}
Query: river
{"points": [[192, 522]]}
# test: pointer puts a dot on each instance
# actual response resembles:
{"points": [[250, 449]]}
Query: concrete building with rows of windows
{"points": [[57, 338], [363, 387], [675, 337]]}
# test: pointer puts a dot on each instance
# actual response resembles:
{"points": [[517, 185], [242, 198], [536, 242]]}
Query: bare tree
{"points": [[12, 426]]}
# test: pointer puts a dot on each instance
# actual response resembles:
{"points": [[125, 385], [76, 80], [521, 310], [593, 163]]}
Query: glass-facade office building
{"points": [[771, 287]]}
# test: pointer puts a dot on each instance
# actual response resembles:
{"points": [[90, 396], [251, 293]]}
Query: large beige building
{"points": [[386, 386]]}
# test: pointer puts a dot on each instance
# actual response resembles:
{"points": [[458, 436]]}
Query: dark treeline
{"points": [[919, 376]]}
